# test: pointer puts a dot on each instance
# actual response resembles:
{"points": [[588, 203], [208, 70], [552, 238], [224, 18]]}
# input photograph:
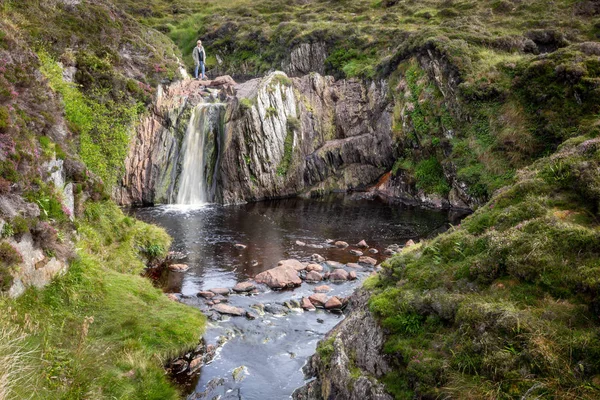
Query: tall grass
{"points": [[16, 367]]}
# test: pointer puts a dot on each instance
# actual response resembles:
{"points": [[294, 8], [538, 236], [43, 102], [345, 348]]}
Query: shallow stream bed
{"points": [[263, 358]]}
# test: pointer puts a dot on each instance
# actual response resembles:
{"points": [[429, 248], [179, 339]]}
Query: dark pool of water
{"points": [[272, 349]]}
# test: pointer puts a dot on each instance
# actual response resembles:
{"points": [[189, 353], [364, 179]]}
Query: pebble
{"points": [[356, 253], [244, 287], [314, 267], [240, 246], [341, 244]]}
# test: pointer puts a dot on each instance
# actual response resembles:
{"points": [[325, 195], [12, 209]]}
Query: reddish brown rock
{"points": [[297, 265], [333, 303], [318, 299], [353, 265], [230, 310], [339, 275], [279, 277], [373, 251], [362, 244], [206, 294], [341, 244], [314, 276], [367, 260], [172, 297], [352, 275], [314, 267], [244, 287], [307, 305], [322, 289], [179, 267]]}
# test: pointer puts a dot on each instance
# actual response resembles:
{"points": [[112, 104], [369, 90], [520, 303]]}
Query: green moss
{"points": [[430, 177], [103, 127], [4, 118], [288, 147], [325, 350], [246, 104]]}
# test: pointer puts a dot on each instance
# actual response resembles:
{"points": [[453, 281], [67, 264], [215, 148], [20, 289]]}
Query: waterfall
{"points": [[197, 181]]}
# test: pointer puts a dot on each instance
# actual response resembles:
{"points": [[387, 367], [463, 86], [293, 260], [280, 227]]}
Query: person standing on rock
{"points": [[199, 56]]}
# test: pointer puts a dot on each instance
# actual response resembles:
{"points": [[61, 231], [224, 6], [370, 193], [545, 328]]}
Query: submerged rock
{"points": [[317, 258], [322, 289], [206, 294], [279, 277], [300, 243], [353, 265], [333, 264]]}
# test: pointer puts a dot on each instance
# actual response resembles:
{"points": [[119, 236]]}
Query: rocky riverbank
{"points": [[292, 289]]}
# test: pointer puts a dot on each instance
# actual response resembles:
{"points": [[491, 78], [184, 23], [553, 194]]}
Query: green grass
{"points": [[505, 301], [101, 330]]}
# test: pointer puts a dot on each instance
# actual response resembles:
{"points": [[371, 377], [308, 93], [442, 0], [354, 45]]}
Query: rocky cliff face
{"points": [[284, 137], [348, 363]]}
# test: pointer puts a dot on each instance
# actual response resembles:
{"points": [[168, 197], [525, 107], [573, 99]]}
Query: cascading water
{"points": [[200, 148]]}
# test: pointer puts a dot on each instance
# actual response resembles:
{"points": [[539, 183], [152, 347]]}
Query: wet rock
{"points": [[276, 309], [367, 260], [394, 247], [221, 291], [240, 246], [229, 310], [172, 297], [178, 267], [333, 303], [206, 294], [299, 243], [389, 252], [409, 243], [329, 241], [260, 308], [254, 263], [318, 299], [297, 265], [362, 244], [341, 244], [239, 373], [373, 251], [213, 316], [250, 315], [295, 303], [243, 287], [213, 302], [314, 276], [315, 246], [333, 264], [356, 252], [314, 267], [322, 289], [352, 275], [326, 275], [279, 277], [353, 265], [220, 298], [317, 258], [307, 305], [176, 256], [339, 275], [210, 303]]}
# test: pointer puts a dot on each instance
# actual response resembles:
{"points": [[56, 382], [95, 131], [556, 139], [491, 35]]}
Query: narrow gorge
{"points": [[382, 200]]}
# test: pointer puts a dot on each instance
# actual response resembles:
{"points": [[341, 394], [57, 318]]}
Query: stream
{"points": [[263, 358]]}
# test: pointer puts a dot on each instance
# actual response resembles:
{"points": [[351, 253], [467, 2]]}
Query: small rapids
{"points": [[263, 358]]}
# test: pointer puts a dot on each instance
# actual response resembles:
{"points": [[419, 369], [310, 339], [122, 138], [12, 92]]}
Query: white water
{"points": [[205, 120]]}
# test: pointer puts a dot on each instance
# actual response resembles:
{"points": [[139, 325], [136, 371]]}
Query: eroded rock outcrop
{"points": [[349, 361]]}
